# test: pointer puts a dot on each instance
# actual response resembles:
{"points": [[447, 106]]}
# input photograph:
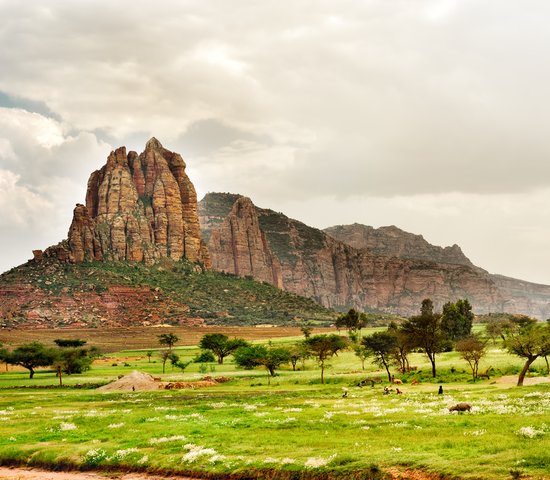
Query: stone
{"points": [[139, 208]]}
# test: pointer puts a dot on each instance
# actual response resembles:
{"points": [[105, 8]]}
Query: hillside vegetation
{"points": [[126, 293]]}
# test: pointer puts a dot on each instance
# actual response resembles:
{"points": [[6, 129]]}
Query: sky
{"points": [[431, 115]]}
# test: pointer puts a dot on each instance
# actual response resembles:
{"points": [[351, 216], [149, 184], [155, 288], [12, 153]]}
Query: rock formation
{"points": [[394, 242], [139, 208], [388, 270]]}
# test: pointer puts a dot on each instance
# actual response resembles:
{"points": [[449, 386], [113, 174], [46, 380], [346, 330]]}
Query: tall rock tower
{"points": [[139, 208]]}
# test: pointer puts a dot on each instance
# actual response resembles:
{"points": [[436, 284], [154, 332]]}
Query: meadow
{"points": [[293, 428]]}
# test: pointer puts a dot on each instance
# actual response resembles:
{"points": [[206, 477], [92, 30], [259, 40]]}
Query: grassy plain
{"points": [[293, 428]]}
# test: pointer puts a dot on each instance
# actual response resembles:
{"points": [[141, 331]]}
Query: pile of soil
{"points": [[135, 381]]}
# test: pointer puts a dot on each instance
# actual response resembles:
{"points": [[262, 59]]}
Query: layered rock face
{"points": [[394, 242], [139, 208], [246, 240]]}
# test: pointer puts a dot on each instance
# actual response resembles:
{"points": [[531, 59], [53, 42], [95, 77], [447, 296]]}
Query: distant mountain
{"points": [[383, 269], [134, 256], [142, 251], [394, 242]]}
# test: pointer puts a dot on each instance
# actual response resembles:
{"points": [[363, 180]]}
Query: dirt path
{"points": [[35, 474], [513, 379]]}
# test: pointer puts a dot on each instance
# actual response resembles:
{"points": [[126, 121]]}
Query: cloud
{"points": [[350, 105], [43, 174]]}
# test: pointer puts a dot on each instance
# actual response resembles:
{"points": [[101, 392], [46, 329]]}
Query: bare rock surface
{"points": [[138, 208], [385, 269]]}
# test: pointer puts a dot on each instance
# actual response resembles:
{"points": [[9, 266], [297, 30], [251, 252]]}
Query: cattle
{"points": [[460, 407]]}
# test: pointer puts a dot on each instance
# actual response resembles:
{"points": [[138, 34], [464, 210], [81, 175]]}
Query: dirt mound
{"points": [[132, 382]]}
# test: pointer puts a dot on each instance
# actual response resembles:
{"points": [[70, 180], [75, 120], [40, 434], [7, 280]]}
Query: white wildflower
{"points": [[173, 438], [64, 427], [196, 451], [316, 462], [396, 449], [531, 432], [115, 425], [121, 454], [143, 460]]}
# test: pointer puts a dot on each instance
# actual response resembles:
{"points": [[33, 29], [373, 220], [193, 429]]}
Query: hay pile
{"points": [[135, 381]]}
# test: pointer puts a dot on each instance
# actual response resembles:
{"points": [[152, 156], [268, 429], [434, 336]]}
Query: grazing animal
{"points": [[415, 382], [396, 381], [460, 407]]}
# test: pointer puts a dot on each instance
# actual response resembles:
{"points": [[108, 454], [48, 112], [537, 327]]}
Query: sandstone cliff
{"points": [[393, 276], [394, 242], [138, 208]]}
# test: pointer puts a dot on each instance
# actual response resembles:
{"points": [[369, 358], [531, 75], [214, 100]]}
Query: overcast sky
{"points": [[429, 115]]}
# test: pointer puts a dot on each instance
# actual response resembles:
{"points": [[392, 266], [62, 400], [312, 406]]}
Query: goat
{"points": [[460, 407]]}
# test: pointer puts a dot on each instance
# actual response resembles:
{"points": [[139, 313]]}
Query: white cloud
{"points": [[430, 112]]}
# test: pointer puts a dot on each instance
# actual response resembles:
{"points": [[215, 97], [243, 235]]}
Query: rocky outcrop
{"points": [[394, 242], [274, 248], [138, 208]]}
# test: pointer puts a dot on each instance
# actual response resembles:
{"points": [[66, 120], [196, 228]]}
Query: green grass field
{"points": [[293, 428]]}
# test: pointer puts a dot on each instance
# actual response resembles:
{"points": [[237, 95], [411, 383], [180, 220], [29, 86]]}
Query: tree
{"points": [[381, 346], [324, 347], [425, 332], [402, 349], [298, 353], [472, 349], [306, 330], [149, 354], [221, 345], [529, 342], [352, 321], [362, 353], [206, 356], [72, 358], [31, 356], [164, 356], [4, 355], [457, 319], [69, 342], [168, 339], [496, 328], [252, 356]]}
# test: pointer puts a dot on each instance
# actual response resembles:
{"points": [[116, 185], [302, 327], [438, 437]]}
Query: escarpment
{"points": [[386, 269], [138, 208]]}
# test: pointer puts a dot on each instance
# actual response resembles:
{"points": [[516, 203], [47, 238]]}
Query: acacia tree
{"points": [[425, 332], [31, 356], [252, 356], [362, 353], [472, 349], [323, 347], [352, 321], [403, 347], [530, 342], [381, 346], [221, 345], [457, 319], [168, 340]]}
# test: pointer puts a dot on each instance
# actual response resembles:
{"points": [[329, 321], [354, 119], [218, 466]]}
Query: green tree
{"points": [[31, 356], [4, 355], [323, 347], [206, 356], [69, 342], [306, 330], [252, 356], [381, 346], [425, 332], [362, 353], [529, 342], [168, 340], [353, 321], [149, 354], [403, 347], [221, 345], [472, 349], [457, 319]]}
